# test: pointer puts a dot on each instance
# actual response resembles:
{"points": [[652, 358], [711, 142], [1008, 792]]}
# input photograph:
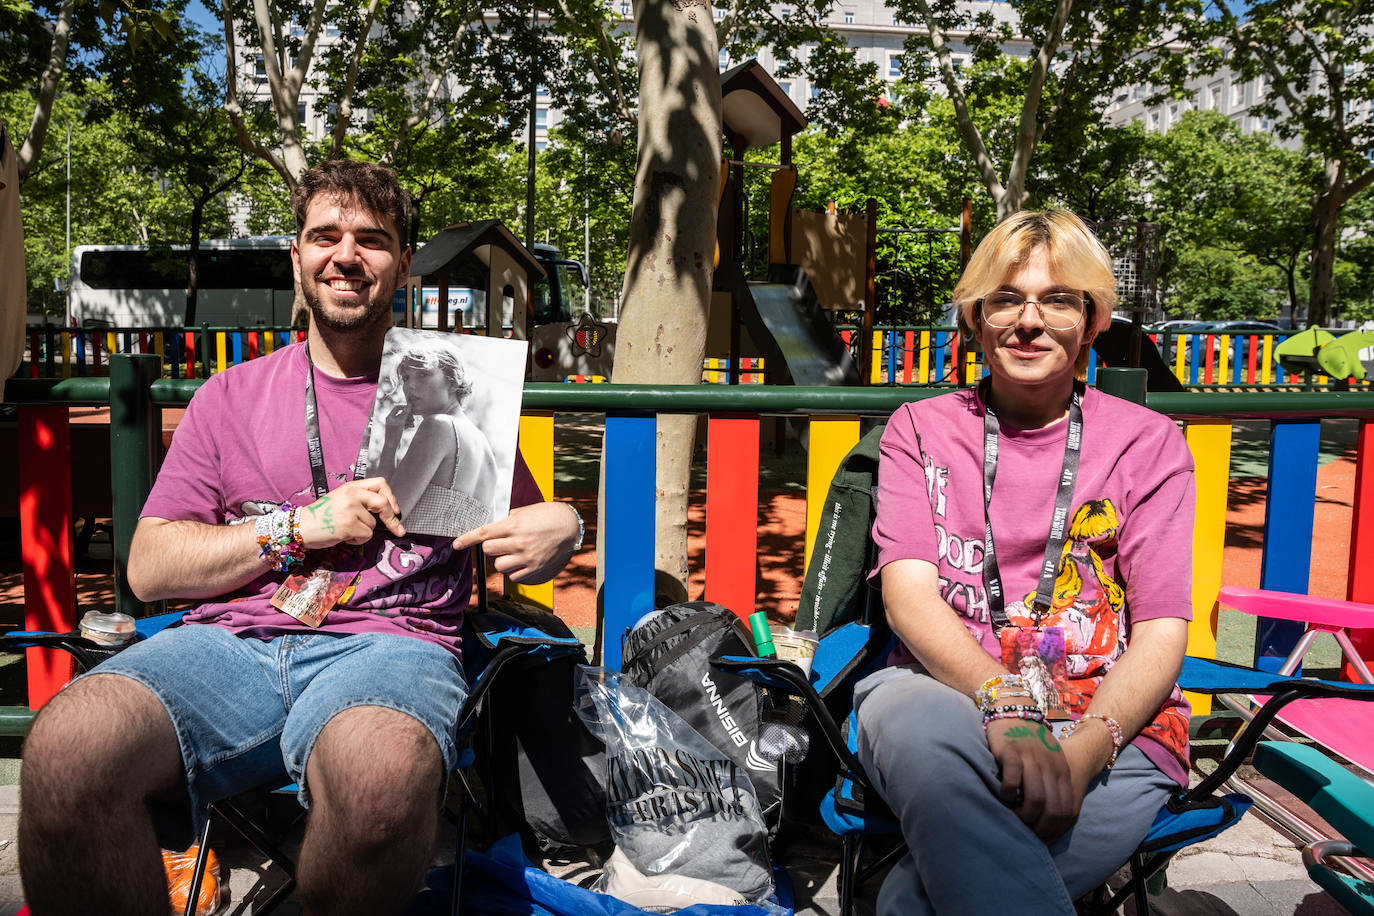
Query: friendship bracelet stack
{"points": [[1004, 687], [1113, 728], [279, 538], [1013, 686]]}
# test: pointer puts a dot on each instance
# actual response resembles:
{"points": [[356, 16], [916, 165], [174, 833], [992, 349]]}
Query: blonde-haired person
{"points": [[1029, 727]]}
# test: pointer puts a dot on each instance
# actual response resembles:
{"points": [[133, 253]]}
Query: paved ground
{"points": [[1249, 871]]}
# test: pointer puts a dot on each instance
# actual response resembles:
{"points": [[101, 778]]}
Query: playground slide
{"points": [[789, 327]]}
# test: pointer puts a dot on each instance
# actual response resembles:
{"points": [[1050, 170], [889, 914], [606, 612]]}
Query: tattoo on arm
{"points": [[324, 511], [1039, 732]]}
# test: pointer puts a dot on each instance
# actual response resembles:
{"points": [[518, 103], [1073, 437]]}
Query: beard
{"points": [[345, 320]]}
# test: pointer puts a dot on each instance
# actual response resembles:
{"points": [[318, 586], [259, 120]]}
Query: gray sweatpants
{"points": [[923, 745]]}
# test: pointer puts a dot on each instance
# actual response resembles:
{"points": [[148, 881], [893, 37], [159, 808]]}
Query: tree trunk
{"points": [[667, 290], [32, 147], [193, 260], [1326, 215]]}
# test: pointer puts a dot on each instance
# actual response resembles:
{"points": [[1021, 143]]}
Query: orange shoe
{"points": [[181, 868]]}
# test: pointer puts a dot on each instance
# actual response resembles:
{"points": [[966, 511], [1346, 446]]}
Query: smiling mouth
{"points": [[343, 285]]}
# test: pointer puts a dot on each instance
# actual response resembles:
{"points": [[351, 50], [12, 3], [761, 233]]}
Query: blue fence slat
{"points": [[1289, 505], [1195, 356], [237, 338], [937, 370], [79, 348], [628, 593], [1238, 359]]}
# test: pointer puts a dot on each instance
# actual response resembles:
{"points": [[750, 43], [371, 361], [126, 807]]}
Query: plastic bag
{"points": [[180, 868], [676, 804]]}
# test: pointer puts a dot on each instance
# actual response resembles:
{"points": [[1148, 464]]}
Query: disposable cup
{"points": [[797, 646]]}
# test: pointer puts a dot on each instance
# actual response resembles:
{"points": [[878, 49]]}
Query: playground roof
{"points": [[754, 107], [471, 240]]}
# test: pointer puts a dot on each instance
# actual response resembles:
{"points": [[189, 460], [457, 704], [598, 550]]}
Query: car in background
{"points": [[1172, 326]]}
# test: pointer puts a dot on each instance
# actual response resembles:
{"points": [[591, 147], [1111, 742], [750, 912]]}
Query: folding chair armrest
{"points": [[1326, 612], [1281, 692], [783, 675]]}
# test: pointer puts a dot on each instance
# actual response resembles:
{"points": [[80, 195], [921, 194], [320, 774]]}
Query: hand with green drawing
{"points": [[349, 513]]}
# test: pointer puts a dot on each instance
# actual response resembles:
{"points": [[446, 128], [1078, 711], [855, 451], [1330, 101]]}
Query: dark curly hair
{"points": [[373, 187]]}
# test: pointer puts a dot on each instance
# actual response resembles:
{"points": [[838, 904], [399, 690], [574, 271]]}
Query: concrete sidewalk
{"points": [[1248, 871]]}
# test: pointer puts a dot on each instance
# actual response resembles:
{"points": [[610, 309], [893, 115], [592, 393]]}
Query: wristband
{"points": [[1027, 713], [1113, 728], [581, 529], [280, 545], [1001, 685]]}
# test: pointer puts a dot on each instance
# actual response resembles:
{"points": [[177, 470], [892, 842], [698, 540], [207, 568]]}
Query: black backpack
{"points": [[546, 771], [670, 655]]}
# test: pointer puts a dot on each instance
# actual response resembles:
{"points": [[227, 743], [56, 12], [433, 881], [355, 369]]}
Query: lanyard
{"points": [[312, 436], [1049, 570]]}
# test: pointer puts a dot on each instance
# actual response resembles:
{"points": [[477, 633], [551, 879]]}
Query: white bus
{"points": [[244, 281]]}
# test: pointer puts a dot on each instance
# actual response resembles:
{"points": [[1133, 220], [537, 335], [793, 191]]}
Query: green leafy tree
{"points": [[1316, 63], [1079, 50], [1235, 210]]}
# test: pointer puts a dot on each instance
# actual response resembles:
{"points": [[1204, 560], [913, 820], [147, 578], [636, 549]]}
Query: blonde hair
{"points": [[1076, 259]]}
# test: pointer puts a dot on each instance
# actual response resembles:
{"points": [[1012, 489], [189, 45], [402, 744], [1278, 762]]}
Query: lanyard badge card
{"points": [[1037, 652], [309, 595]]}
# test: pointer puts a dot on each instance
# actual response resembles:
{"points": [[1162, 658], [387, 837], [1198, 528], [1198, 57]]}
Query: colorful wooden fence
{"points": [[927, 356], [733, 462]]}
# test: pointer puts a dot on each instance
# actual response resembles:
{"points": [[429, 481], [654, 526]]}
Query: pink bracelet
{"points": [[1113, 728]]}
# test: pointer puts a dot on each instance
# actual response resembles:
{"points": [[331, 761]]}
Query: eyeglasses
{"points": [[1059, 311]]}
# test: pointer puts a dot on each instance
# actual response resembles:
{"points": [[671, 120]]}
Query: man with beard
{"points": [[265, 492]]}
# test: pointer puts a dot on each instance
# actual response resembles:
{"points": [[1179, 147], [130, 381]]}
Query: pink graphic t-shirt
{"points": [[1127, 557], [240, 451]]}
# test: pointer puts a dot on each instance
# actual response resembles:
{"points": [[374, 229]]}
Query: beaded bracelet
{"points": [[280, 544], [1026, 713], [1113, 728], [993, 687], [581, 528]]}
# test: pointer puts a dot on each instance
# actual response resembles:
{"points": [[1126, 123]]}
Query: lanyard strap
{"points": [[318, 479], [1054, 545]]}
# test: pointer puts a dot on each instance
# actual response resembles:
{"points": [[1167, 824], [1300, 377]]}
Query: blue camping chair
{"points": [[493, 641], [855, 813]]}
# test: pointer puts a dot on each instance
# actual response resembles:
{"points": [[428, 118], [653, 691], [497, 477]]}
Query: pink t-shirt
{"points": [[240, 451], [1128, 555]]}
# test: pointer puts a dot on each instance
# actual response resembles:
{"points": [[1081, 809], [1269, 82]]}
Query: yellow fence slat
{"points": [[923, 365], [1267, 370], [830, 439], [1223, 374], [536, 445], [1181, 358], [111, 344], [221, 346], [876, 372], [1210, 443]]}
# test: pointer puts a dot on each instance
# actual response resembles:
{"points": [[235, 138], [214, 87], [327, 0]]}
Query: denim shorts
{"points": [[247, 711]]}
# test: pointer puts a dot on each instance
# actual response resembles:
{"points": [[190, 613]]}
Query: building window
{"points": [[624, 7], [958, 64], [815, 93], [300, 112], [540, 146], [1173, 113], [542, 91], [784, 12], [1154, 120], [894, 66], [1237, 94], [1214, 97], [723, 59], [786, 88], [848, 17], [720, 13], [541, 119], [260, 69]]}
